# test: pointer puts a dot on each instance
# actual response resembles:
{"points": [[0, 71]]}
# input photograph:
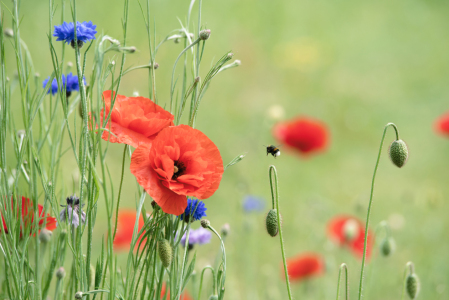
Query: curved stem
{"points": [[120, 191], [370, 203], [343, 266], [411, 267], [223, 277], [272, 170], [201, 280]]}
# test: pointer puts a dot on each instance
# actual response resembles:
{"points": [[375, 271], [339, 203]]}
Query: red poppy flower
{"points": [[349, 231], [304, 266], [125, 228], [27, 216], [442, 125], [184, 296], [134, 120], [304, 134], [180, 161]]}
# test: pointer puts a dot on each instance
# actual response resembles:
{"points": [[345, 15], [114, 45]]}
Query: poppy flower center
{"points": [[178, 169]]}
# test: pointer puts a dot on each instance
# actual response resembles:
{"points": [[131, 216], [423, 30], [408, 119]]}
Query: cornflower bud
{"points": [[204, 34], [398, 153], [412, 285], [45, 236], [272, 223], [155, 66], [60, 273], [79, 295], [205, 223], [225, 229], [238, 62], [387, 246], [230, 55], [165, 252]]}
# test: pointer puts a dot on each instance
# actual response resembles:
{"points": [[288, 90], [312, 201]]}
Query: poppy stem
{"points": [[409, 269], [272, 171], [201, 280], [120, 190], [345, 267], [370, 203]]}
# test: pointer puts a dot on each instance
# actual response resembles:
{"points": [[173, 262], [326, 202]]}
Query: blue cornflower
{"points": [[84, 32], [195, 210], [199, 236], [253, 204], [54, 86], [69, 82]]}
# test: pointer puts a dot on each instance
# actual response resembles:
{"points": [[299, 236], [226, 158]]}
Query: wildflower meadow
{"points": [[223, 150]]}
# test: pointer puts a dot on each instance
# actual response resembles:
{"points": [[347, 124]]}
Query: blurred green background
{"points": [[355, 65]]}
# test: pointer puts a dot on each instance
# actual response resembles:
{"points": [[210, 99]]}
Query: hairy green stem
{"points": [[272, 171], [345, 267], [370, 203]]}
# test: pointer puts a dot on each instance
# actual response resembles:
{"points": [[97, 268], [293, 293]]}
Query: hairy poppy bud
{"points": [[412, 286], [272, 223], [205, 223], [213, 297], [387, 246], [165, 252], [60, 273], [399, 153], [79, 295], [45, 236], [204, 34]]}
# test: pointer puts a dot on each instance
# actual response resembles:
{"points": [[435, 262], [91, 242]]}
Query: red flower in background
{"points": [[180, 161], [304, 266], [134, 120], [304, 134], [442, 125], [27, 216], [184, 296], [349, 231], [125, 228]]}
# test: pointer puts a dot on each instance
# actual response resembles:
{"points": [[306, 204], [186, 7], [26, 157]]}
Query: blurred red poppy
{"points": [[180, 161], [442, 125], [27, 216], [349, 231], [184, 296], [304, 266], [134, 120], [125, 228], [303, 134]]}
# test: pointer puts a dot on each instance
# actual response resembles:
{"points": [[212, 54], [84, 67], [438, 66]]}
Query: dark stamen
{"points": [[178, 169]]}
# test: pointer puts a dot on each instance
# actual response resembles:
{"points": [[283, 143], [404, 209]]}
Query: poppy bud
{"points": [[45, 236], [79, 295], [350, 229], [60, 273], [165, 252], [225, 229], [8, 32], [272, 223], [387, 246], [213, 297], [399, 153], [205, 223], [204, 34], [412, 285]]}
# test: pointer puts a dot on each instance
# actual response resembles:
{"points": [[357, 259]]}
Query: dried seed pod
{"points": [[398, 153], [272, 223], [412, 286], [165, 252]]}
